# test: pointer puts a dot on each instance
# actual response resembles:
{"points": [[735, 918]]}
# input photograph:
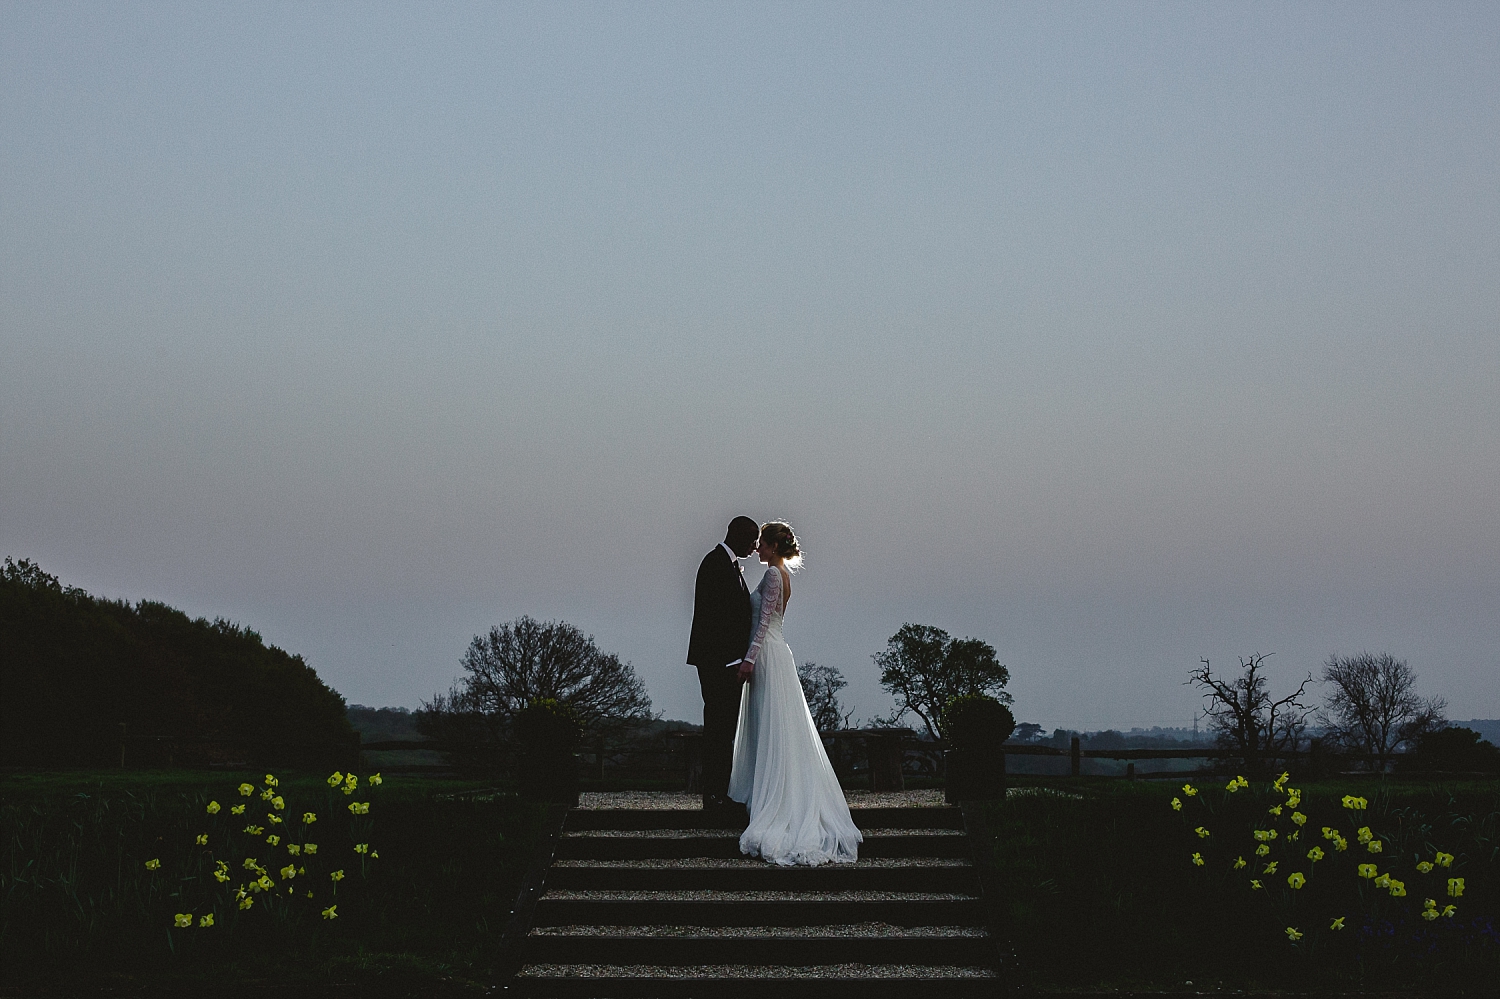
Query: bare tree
{"points": [[525, 660], [1246, 719], [821, 686], [924, 669], [1373, 706]]}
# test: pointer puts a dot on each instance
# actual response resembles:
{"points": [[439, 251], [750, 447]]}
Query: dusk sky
{"points": [[1116, 335]]}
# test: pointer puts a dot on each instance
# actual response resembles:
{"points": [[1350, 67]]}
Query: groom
{"points": [[720, 637]]}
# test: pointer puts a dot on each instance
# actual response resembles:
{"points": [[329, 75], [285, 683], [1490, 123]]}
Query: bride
{"points": [[797, 810]]}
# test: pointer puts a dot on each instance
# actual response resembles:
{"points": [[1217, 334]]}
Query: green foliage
{"points": [[1100, 891], [1355, 883], [80, 901], [1453, 750], [977, 722], [924, 668], [74, 667], [547, 724]]}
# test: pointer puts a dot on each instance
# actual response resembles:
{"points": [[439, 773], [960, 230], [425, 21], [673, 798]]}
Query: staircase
{"points": [[656, 902]]}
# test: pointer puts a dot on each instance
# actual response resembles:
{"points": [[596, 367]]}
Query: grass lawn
{"points": [[1100, 889], [81, 906]]}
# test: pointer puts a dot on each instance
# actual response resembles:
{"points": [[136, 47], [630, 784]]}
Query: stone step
{"points": [[757, 908], [876, 874], [606, 844], [677, 818], [768, 945], [826, 981]]}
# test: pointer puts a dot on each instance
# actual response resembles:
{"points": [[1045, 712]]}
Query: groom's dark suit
{"points": [[721, 635]]}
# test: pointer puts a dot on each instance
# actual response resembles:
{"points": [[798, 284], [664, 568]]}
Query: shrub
{"points": [[976, 722]]}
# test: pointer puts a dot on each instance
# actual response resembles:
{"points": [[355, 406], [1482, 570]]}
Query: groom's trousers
{"points": [[721, 716]]}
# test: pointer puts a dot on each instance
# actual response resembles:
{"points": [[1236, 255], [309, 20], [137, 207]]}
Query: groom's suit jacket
{"points": [[721, 612]]}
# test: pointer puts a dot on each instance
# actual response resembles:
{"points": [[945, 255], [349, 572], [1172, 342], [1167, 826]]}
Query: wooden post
{"points": [[692, 762], [1130, 771], [884, 750], [1075, 754]]}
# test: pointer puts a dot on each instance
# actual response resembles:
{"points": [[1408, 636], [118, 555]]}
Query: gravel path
{"points": [[680, 800], [711, 895], [729, 833], [752, 863]]}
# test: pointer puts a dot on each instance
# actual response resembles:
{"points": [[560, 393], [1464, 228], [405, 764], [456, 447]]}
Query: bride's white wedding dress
{"points": [[798, 814]]}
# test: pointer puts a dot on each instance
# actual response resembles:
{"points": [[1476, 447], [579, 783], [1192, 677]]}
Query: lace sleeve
{"points": [[770, 602]]}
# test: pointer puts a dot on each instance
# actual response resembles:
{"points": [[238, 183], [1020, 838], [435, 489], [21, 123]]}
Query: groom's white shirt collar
{"points": [[732, 556]]}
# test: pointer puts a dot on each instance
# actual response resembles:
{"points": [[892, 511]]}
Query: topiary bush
{"points": [[977, 722]]}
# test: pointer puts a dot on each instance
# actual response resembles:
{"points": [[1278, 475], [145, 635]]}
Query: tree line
{"points": [[76, 667]]}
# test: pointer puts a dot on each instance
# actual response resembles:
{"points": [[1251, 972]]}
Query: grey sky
{"points": [[1115, 335]]}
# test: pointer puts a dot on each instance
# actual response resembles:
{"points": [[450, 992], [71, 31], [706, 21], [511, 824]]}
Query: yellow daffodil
{"points": [[1425, 867], [1296, 880], [1279, 781], [1367, 870], [365, 848], [1299, 818], [1329, 832], [1274, 809], [337, 876], [266, 883], [246, 790], [183, 919], [1364, 835], [288, 872], [350, 780], [1315, 854], [278, 803], [309, 848], [207, 920], [1262, 850], [1443, 859], [1202, 832], [1237, 783], [1398, 888], [212, 808], [1189, 790], [202, 839], [1292, 934], [246, 902], [1337, 924], [1239, 863], [336, 779], [221, 876], [1356, 804], [267, 794], [153, 865], [237, 810], [1254, 885], [374, 854], [1198, 860], [1294, 835], [1429, 914], [273, 839], [254, 830], [1261, 835], [1455, 887], [1176, 804], [271, 780], [1293, 797], [301, 870], [1449, 910], [332, 912], [1271, 867], [359, 807], [1383, 881], [376, 779], [308, 818], [1375, 846], [293, 849], [1340, 844]]}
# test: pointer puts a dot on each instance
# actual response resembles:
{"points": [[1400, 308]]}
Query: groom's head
{"points": [[742, 535]]}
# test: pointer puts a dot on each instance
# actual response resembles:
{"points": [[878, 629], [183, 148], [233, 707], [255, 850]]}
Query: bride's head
{"points": [[777, 541]]}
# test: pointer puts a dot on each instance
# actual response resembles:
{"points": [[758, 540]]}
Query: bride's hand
{"points": [[746, 668]]}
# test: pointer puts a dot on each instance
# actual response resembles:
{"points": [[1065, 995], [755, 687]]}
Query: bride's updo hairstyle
{"points": [[778, 533]]}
